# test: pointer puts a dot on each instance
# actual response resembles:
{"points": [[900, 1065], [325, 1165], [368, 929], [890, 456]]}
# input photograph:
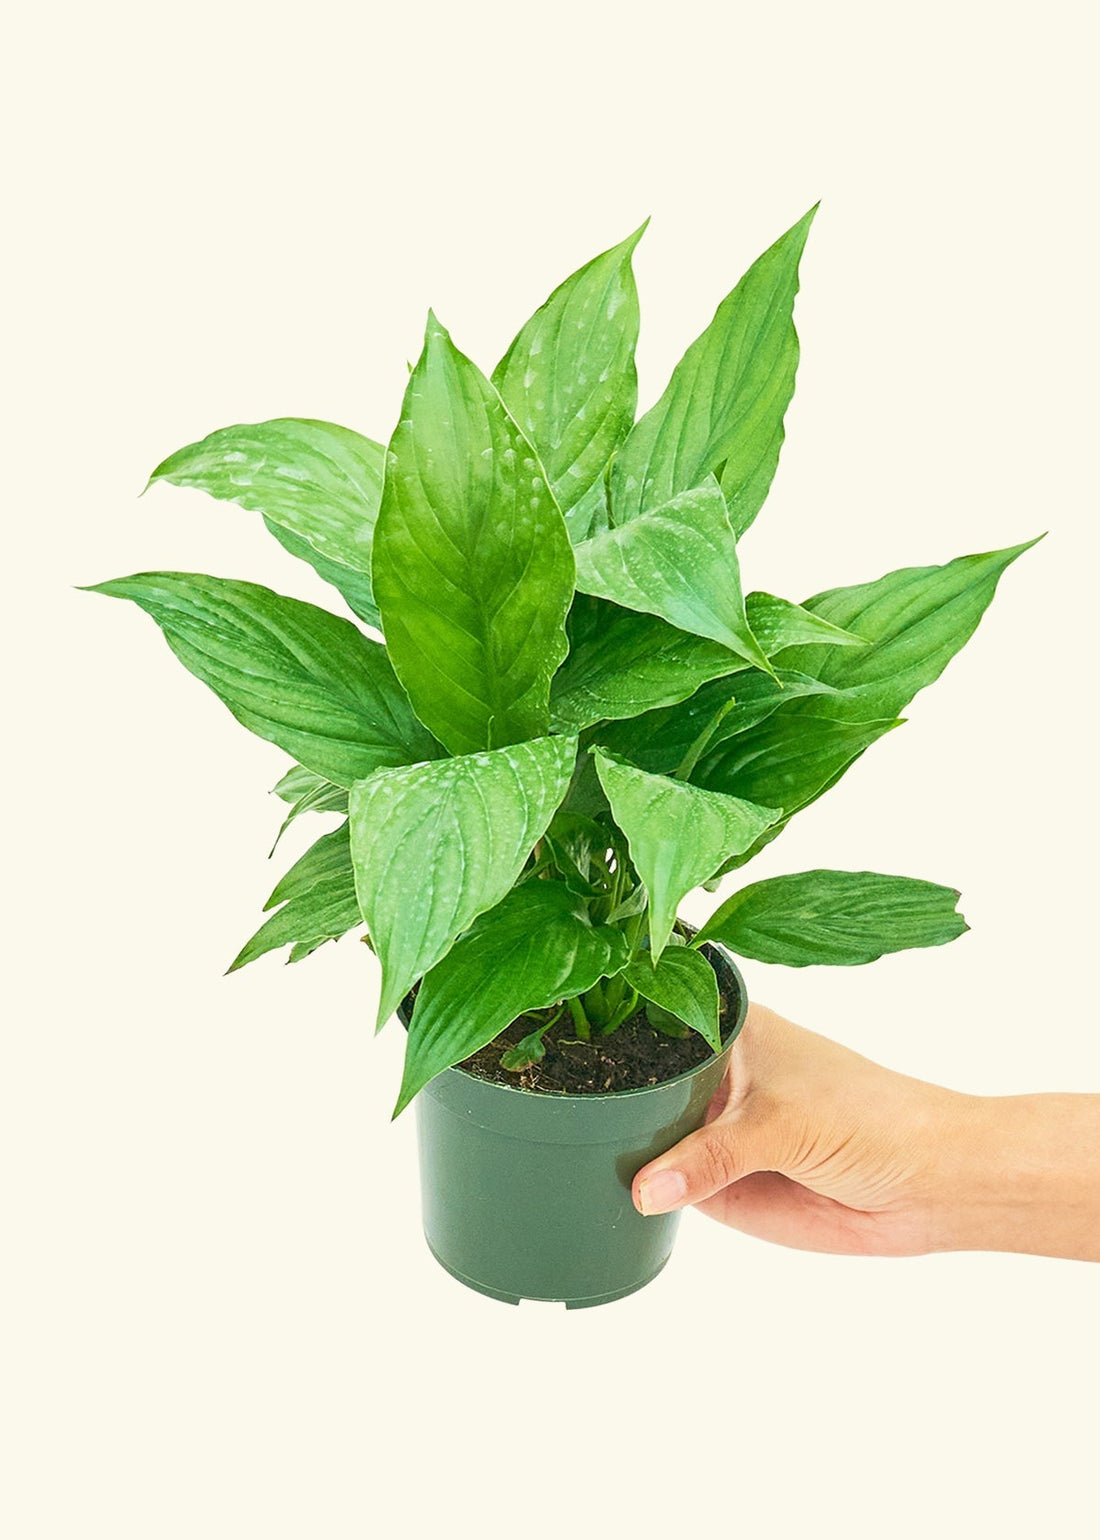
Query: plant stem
{"points": [[634, 931], [555, 1018], [623, 1013], [617, 987], [595, 1003], [580, 1020], [696, 751]]}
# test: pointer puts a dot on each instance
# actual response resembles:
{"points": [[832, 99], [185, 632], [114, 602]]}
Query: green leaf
{"points": [[683, 983], [665, 1021], [679, 835], [436, 845], [778, 624], [317, 485], [592, 514], [473, 571], [535, 948], [302, 785], [723, 407], [325, 913], [679, 562], [914, 620], [354, 587], [577, 846], [745, 484], [307, 793], [834, 917], [329, 856], [528, 1051], [303, 949], [318, 898], [787, 758], [288, 671], [569, 379], [659, 740], [798, 759], [622, 663]]}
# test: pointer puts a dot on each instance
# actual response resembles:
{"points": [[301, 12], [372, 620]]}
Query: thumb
{"points": [[732, 1146]]}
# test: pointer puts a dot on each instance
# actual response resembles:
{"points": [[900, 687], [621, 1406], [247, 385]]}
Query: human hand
{"points": [[809, 1144]]}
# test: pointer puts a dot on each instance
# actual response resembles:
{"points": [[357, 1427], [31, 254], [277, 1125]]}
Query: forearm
{"points": [[1021, 1173]]}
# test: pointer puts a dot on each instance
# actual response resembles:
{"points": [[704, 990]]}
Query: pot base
{"points": [[584, 1303]]}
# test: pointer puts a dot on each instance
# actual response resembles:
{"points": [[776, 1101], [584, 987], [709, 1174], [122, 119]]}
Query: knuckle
{"points": [[717, 1161]]}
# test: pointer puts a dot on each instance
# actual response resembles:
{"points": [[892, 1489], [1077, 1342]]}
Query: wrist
{"points": [[1019, 1173]]}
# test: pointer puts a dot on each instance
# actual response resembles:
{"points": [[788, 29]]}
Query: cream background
{"points": [[219, 1317]]}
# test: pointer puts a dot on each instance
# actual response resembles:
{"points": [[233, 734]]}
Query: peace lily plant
{"points": [[577, 715]]}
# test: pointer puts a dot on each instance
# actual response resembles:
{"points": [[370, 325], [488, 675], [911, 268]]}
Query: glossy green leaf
{"points": [[317, 485], [723, 408], [310, 793], [788, 758], [435, 845], [679, 834], [797, 759], [592, 514], [914, 620], [778, 624], [329, 856], [569, 379], [303, 949], [679, 562], [622, 663], [577, 846], [535, 948], [288, 671], [834, 917], [354, 587], [318, 903], [660, 740], [473, 571], [746, 481], [307, 793], [683, 983]]}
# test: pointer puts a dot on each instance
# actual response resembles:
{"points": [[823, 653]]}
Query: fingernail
{"points": [[661, 1191]]}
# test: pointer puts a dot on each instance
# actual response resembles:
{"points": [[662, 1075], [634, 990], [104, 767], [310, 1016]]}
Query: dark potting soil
{"points": [[632, 1057]]}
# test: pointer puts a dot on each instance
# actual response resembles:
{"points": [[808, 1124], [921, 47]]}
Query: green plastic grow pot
{"points": [[526, 1194]]}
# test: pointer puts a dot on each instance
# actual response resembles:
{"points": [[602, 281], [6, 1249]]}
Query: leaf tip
{"points": [[384, 1014], [1011, 552], [795, 238], [404, 1097], [434, 329], [766, 666]]}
